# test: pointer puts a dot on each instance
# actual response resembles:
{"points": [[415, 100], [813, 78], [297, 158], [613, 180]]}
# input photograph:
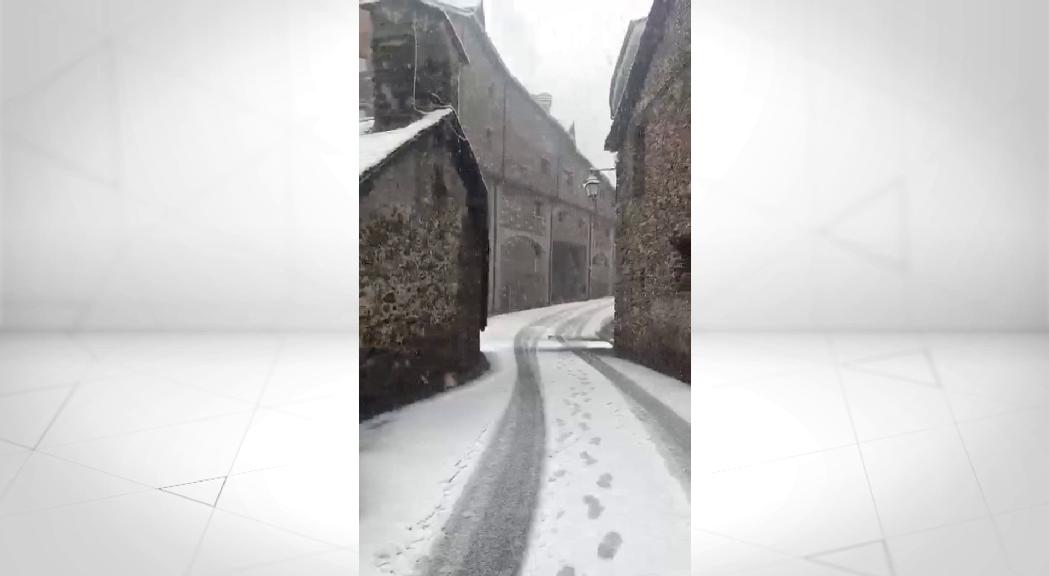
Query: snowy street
{"points": [[561, 460]]}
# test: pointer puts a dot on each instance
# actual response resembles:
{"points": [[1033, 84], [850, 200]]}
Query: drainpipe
{"points": [[497, 253], [590, 255]]}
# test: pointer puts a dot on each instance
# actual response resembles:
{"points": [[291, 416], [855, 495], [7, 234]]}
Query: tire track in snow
{"points": [[488, 531], [672, 431]]}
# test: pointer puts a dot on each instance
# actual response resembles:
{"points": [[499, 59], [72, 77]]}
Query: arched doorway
{"points": [[523, 272]]}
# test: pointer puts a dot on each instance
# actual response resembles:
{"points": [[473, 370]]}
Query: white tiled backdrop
{"points": [[182, 455], [178, 165], [871, 455], [871, 164]]}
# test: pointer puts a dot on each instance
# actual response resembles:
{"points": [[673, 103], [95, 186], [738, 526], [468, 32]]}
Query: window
{"points": [[491, 90], [682, 262], [637, 168], [581, 223], [561, 216], [545, 165], [538, 208], [568, 181], [488, 136], [440, 189]]}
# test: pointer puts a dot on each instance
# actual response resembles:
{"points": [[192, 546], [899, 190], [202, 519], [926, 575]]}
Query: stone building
{"points": [[423, 219], [549, 242], [364, 76], [651, 129]]}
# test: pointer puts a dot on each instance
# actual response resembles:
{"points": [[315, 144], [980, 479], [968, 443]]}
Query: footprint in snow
{"points": [[609, 545], [593, 507], [605, 481]]}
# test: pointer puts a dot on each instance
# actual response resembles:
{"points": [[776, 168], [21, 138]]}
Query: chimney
{"points": [[545, 100], [416, 58]]}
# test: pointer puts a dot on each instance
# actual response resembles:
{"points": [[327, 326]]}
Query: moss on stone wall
{"points": [[652, 297], [422, 274]]}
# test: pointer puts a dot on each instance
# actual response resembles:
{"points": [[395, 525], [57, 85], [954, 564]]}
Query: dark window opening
{"points": [[545, 165], [638, 164], [491, 90], [538, 208], [682, 268], [440, 189]]}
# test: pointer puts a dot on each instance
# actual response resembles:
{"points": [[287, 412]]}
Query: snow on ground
{"points": [[414, 462], [607, 506], [670, 391], [376, 146], [594, 323]]}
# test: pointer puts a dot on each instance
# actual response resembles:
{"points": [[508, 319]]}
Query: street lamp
{"points": [[592, 187]]}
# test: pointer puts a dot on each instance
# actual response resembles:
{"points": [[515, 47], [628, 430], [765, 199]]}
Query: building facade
{"points": [[650, 98], [549, 242], [423, 222]]}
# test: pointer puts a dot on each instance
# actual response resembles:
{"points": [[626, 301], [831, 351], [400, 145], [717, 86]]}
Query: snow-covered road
{"points": [[561, 461]]}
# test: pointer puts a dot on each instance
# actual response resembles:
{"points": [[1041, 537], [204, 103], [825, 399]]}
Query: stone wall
{"points": [[528, 161], [423, 258], [415, 61], [601, 260], [653, 171]]}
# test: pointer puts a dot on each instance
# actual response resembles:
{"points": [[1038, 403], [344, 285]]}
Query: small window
{"points": [[568, 181], [545, 165], [682, 267], [560, 216], [488, 136], [538, 208], [491, 90], [581, 223], [638, 165], [440, 189]]}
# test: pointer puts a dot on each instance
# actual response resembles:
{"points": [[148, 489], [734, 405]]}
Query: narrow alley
{"points": [[561, 460]]}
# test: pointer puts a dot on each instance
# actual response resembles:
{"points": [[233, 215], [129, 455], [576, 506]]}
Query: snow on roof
{"points": [[468, 5], [378, 146]]}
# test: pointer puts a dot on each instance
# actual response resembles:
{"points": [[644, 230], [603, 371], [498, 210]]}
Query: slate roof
{"points": [[625, 62], [648, 42]]}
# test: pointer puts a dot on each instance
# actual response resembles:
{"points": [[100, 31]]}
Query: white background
{"points": [[871, 164], [179, 165]]}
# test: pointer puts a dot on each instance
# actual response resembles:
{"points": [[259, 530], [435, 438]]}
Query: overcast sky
{"points": [[567, 48]]}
